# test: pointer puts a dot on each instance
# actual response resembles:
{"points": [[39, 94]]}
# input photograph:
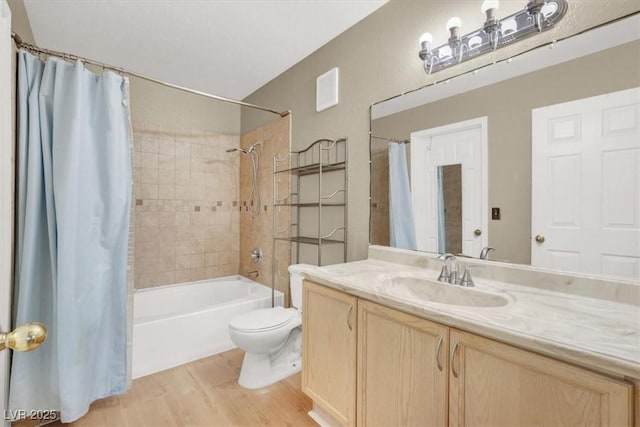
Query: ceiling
{"points": [[225, 47]]}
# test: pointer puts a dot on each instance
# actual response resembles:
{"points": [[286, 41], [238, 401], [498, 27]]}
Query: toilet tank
{"points": [[295, 285]]}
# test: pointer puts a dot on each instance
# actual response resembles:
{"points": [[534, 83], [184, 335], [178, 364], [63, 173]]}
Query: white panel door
{"points": [[463, 143], [586, 185]]}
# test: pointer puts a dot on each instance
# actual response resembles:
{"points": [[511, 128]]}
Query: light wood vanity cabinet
{"points": [[329, 350], [402, 368], [494, 384], [411, 371]]}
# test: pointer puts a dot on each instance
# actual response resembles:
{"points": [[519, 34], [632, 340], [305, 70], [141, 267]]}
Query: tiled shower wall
{"points": [[186, 208], [256, 231]]}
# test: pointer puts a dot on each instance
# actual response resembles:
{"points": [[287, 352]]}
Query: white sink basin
{"points": [[442, 293]]}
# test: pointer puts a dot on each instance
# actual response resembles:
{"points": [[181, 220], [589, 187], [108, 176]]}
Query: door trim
{"points": [[6, 196]]}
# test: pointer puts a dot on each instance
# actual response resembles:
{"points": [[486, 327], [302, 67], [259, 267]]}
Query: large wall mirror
{"points": [[537, 158]]}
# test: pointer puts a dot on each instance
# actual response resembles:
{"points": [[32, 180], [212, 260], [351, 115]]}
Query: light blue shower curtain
{"points": [[401, 225], [74, 188]]}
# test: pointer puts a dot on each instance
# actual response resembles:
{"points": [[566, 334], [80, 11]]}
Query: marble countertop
{"points": [[600, 334]]}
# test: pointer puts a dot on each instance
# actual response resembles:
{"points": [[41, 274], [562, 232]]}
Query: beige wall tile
{"points": [[183, 177], [148, 176], [167, 192], [166, 219], [197, 274], [167, 145], [166, 162], [182, 276], [186, 221], [197, 261], [149, 160], [211, 259], [148, 191], [183, 148], [183, 262], [149, 144]]}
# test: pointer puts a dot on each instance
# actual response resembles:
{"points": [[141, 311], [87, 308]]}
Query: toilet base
{"points": [[261, 370]]}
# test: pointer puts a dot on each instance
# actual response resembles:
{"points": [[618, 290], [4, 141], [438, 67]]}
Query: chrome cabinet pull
{"points": [[438, 348], [453, 359], [349, 318]]}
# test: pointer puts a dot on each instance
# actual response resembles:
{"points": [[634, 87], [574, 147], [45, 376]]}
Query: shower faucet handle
{"points": [[256, 255]]}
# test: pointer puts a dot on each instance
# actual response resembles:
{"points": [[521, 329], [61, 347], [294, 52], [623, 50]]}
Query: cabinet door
{"points": [[498, 385], [329, 350], [402, 368]]}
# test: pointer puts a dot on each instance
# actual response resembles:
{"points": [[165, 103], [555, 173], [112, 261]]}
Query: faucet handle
{"points": [[444, 274], [467, 280]]}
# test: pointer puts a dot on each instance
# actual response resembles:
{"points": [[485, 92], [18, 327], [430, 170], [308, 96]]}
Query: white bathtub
{"points": [[176, 324]]}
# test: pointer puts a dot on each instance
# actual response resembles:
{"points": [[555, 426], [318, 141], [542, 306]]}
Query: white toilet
{"points": [[271, 339]]}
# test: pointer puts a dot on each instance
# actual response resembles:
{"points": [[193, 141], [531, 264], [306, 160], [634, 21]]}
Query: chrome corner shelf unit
{"points": [[321, 160]]}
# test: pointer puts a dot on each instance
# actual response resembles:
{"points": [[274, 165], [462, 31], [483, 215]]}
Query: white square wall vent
{"points": [[327, 90]]}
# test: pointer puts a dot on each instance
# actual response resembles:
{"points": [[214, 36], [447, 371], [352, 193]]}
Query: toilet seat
{"points": [[265, 319]]}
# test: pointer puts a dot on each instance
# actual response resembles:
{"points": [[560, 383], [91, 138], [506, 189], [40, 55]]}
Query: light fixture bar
{"points": [[537, 16]]}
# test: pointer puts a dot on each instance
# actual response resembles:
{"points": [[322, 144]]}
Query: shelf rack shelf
{"points": [[320, 158]]}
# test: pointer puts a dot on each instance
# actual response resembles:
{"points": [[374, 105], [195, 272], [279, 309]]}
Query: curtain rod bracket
{"points": [[17, 39]]}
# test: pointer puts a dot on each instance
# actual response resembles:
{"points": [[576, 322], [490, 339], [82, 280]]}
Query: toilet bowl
{"points": [[271, 339]]}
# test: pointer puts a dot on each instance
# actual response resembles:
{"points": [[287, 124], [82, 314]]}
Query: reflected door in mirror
{"points": [[586, 185], [462, 144]]}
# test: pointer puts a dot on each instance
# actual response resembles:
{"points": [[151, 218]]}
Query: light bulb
{"points": [[426, 38], [454, 22], [549, 9], [489, 4]]}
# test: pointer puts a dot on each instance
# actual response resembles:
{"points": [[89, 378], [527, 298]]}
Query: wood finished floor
{"points": [[202, 393]]}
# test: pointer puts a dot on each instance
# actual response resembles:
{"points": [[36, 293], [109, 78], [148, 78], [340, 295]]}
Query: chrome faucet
{"points": [[449, 274], [484, 253]]}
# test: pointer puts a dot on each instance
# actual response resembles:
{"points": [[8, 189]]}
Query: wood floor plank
{"points": [[202, 393]]}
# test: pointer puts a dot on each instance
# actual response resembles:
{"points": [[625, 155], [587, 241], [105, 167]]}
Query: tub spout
{"points": [[252, 274]]}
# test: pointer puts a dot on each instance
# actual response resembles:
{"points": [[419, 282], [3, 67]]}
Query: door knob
{"points": [[539, 239], [477, 232], [25, 337]]}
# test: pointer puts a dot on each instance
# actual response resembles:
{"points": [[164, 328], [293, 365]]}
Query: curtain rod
{"points": [[32, 48], [397, 141]]}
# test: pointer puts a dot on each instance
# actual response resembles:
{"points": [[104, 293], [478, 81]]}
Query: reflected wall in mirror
{"points": [[561, 136]]}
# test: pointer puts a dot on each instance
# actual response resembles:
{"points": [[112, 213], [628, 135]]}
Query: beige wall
{"points": [[153, 103], [377, 59], [20, 21], [509, 130]]}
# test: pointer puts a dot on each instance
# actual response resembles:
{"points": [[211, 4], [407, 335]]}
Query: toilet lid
{"points": [[261, 320]]}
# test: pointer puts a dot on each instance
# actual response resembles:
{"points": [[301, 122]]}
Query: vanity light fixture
{"points": [[537, 16]]}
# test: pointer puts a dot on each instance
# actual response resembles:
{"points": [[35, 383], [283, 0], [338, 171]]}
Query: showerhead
{"points": [[231, 150], [253, 147], [249, 150]]}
